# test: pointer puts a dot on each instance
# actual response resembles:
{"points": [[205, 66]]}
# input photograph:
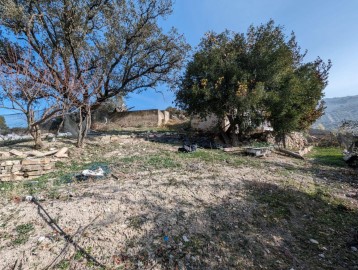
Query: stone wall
{"points": [[144, 118], [15, 170], [208, 124]]}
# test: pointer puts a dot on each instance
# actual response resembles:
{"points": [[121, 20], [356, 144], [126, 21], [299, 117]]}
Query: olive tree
{"points": [[254, 77]]}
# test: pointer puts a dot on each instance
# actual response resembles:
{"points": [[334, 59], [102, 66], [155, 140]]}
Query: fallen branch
{"points": [[290, 153]]}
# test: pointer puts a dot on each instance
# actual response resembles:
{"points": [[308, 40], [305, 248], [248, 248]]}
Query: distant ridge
{"points": [[338, 109]]}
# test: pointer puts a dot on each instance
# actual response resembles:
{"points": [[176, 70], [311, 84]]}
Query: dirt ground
{"points": [[160, 209]]}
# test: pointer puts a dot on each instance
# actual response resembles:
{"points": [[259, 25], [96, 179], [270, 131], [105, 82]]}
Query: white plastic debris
{"points": [[28, 198], [98, 172], [185, 238], [41, 239]]}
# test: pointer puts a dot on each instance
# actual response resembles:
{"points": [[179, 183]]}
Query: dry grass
{"points": [[160, 209]]}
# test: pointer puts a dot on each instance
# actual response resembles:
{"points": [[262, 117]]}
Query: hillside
{"points": [[338, 109]]}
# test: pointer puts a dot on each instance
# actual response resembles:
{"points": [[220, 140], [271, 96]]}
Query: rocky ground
{"points": [[160, 209]]}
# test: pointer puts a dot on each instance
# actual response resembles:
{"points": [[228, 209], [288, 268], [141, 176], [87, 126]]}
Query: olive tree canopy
{"points": [[253, 77]]}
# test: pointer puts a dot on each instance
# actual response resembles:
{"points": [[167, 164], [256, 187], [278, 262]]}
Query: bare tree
{"points": [[128, 50], [26, 88]]}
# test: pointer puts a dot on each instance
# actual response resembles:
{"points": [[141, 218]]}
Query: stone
{"points": [[17, 178], [354, 249], [105, 139], [4, 154], [8, 163], [48, 167], [35, 153], [51, 152], [33, 173], [313, 241], [15, 152], [16, 162], [114, 138], [30, 168], [16, 168], [62, 153], [45, 161], [31, 161], [35, 161]]}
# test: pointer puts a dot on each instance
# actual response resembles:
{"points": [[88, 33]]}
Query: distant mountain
{"points": [[338, 110]]}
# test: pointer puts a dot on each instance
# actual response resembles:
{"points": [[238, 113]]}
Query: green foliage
{"points": [[3, 127], [254, 77], [63, 265]]}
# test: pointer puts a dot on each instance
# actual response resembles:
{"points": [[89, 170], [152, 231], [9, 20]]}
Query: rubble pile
{"points": [[16, 170], [16, 165]]}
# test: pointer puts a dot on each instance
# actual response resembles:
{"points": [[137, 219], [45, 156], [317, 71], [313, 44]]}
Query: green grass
{"points": [[161, 162], [23, 231], [213, 156], [330, 156], [63, 265]]}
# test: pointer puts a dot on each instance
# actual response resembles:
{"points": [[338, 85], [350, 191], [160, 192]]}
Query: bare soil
{"points": [[160, 209]]}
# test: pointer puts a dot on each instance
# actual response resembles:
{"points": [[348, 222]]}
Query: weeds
{"points": [[23, 231], [63, 265]]}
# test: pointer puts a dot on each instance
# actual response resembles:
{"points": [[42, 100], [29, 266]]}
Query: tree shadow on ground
{"points": [[270, 228], [323, 173]]}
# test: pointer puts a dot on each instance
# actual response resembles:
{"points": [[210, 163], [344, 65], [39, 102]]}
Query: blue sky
{"points": [[326, 28]]}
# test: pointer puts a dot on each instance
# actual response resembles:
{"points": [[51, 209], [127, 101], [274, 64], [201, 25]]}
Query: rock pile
{"points": [[27, 165], [16, 170]]}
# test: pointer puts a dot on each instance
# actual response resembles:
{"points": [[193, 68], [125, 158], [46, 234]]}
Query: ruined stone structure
{"points": [[144, 118], [208, 124], [15, 170]]}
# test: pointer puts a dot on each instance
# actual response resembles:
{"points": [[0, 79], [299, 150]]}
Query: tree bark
{"points": [[60, 126], [231, 132], [35, 132], [83, 126]]}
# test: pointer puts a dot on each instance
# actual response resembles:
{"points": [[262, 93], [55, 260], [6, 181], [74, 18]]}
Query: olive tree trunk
{"points": [[34, 130], [83, 126]]}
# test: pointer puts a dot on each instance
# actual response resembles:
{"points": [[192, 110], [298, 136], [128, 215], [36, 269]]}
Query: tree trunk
{"points": [[35, 132], [281, 139], [225, 138], [60, 126], [284, 140], [83, 126], [231, 132]]}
